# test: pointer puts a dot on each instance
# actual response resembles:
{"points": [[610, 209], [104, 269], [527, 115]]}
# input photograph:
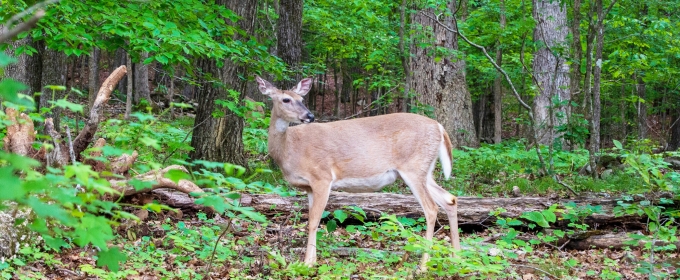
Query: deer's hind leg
{"points": [[450, 204], [417, 182]]}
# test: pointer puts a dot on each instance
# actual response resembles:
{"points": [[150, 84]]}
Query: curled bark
{"points": [[158, 176], [122, 164], [20, 133], [96, 112]]}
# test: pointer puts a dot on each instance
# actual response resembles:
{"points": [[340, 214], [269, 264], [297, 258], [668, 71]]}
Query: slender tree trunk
{"points": [[576, 53], [53, 73], [404, 56], [220, 139], [642, 108], [289, 39], [550, 69], [674, 141], [141, 79], [93, 83], [441, 84], [597, 73], [120, 58], [128, 100], [497, 86]]}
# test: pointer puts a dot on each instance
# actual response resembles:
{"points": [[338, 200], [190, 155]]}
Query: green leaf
{"points": [[63, 103], [110, 258], [9, 91], [549, 216], [6, 60], [618, 144], [93, 230], [536, 217], [331, 226], [215, 201], [340, 215], [176, 175], [44, 210], [54, 243], [147, 141], [10, 185]]}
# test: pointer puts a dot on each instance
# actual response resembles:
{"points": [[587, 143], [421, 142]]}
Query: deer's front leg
{"points": [[318, 200]]}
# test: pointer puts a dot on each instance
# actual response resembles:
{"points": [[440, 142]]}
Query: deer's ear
{"points": [[303, 87], [265, 87]]}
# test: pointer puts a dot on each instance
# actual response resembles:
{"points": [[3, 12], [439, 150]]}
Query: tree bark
{"points": [[597, 76], [28, 68], [674, 141], [128, 100], [551, 70], [93, 77], [404, 56], [497, 85], [642, 107], [289, 39], [471, 210], [220, 139], [141, 79], [440, 82], [53, 73], [576, 51]]}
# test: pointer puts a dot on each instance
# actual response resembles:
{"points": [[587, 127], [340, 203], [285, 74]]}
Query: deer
{"points": [[358, 155]]}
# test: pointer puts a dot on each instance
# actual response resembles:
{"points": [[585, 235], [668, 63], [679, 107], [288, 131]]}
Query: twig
{"points": [[212, 255], [185, 139], [565, 244]]}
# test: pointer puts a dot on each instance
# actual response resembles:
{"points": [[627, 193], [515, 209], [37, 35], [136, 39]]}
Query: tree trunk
{"points": [[220, 139], [597, 74], [576, 51], [53, 73], [289, 39], [441, 84], [404, 57], [471, 210], [128, 100], [674, 141], [551, 70], [28, 68], [93, 78], [141, 79], [642, 108], [483, 116], [497, 86]]}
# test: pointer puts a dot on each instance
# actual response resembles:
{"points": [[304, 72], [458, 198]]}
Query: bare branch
{"points": [[25, 26]]}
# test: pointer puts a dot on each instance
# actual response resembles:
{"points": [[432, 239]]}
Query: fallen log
{"points": [[471, 210]]}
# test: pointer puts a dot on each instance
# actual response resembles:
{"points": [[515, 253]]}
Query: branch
{"points": [[25, 26], [483, 49], [85, 136], [7, 34]]}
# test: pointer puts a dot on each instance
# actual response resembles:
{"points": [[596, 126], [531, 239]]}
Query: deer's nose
{"points": [[310, 116]]}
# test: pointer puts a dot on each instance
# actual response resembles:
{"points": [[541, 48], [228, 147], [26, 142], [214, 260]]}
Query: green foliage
{"points": [[511, 163], [661, 216]]}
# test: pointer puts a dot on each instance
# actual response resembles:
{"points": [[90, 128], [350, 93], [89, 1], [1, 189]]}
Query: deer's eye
{"points": [[286, 100]]}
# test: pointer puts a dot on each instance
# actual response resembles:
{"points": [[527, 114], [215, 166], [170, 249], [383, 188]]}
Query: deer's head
{"points": [[288, 104]]}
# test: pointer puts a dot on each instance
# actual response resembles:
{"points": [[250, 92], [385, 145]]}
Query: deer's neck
{"points": [[276, 142]]}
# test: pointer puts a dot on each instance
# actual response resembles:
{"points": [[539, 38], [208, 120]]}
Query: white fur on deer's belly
{"points": [[367, 184]]}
